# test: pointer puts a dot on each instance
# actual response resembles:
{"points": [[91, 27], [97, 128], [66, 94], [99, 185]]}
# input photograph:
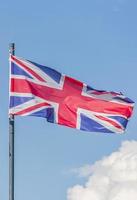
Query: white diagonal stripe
{"points": [[106, 124], [42, 74]]}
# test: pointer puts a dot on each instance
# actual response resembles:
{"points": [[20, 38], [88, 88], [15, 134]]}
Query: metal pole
{"points": [[11, 143]]}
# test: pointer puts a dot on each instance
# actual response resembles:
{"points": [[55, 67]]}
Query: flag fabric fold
{"points": [[37, 90]]}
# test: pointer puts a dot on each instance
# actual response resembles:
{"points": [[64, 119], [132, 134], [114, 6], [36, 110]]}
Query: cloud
{"points": [[84, 171], [112, 178]]}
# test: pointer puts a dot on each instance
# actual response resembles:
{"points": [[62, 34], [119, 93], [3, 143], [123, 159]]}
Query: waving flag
{"points": [[37, 90]]}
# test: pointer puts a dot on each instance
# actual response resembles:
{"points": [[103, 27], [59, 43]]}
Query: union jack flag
{"points": [[37, 90]]}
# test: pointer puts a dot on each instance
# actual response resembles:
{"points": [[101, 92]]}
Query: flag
{"points": [[37, 90]]}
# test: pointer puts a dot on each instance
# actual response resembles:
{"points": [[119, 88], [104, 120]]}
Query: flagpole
{"points": [[11, 142]]}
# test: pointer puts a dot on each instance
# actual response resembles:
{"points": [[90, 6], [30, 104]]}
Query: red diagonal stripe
{"points": [[110, 121], [13, 58], [32, 108]]}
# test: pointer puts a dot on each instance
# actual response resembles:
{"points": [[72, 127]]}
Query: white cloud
{"points": [[84, 171], [112, 178]]}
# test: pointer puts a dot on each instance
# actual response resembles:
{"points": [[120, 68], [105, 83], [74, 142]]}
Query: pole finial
{"points": [[12, 48]]}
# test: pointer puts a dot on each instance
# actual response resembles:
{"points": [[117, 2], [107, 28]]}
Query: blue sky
{"points": [[93, 41]]}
